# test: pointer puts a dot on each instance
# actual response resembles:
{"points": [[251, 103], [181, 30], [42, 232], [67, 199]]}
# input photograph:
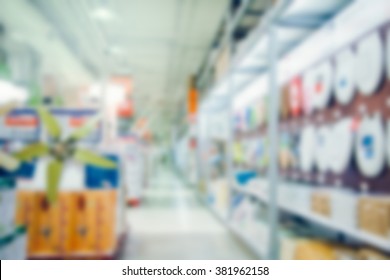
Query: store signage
{"points": [[192, 101], [71, 119], [20, 124]]}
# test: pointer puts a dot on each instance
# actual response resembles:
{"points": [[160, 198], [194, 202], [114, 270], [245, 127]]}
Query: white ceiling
{"points": [[160, 42]]}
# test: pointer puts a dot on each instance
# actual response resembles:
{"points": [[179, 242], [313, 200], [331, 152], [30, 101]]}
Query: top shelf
{"points": [[302, 29]]}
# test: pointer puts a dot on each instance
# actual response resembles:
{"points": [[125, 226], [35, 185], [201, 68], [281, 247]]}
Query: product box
{"points": [[288, 246], [7, 209], [295, 197], [45, 227], [78, 224], [374, 215], [66, 223], [302, 198], [105, 227], [321, 203], [18, 248], [314, 250], [85, 222], [370, 254], [344, 208]]}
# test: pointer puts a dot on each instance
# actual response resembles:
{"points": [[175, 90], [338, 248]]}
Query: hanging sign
{"points": [[192, 101], [20, 125]]}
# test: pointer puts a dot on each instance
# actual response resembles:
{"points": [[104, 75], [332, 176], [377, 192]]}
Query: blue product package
{"points": [[96, 177], [26, 170], [244, 177]]}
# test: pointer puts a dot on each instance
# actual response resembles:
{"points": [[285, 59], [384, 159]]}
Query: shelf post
{"points": [[273, 140], [230, 97]]}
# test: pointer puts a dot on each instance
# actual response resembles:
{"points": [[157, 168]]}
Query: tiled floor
{"points": [[172, 224]]}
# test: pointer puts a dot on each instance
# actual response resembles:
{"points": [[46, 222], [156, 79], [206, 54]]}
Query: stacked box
{"points": [[374, 215], [321, 203]]}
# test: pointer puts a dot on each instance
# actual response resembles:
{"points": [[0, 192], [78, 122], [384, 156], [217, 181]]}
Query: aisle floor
{"points": [[171, 223]]}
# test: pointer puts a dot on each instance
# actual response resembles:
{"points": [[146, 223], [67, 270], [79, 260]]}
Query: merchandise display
{"points": [[12, 237], [341, 146], [370, 146], [332, 154], [374, 215], [253, 122], [81, 224], [369, 64], [13, 244], [307, 148], [388, 141], [388, 53], [135, 170], [344, 80], [323, 159], [296, 96], [322, 86]]}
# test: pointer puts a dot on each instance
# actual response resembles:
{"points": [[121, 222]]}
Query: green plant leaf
{"points": [[32, 151], [86, 129], [35, 96], [52, 126], [8, 162], [53, 177], [91, 158]]}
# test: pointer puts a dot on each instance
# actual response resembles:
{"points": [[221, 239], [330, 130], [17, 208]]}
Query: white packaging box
{"points": [[302, 200], [288, 247], [7, 209], [14, 247], [284, 195], [295, 197], [19, 247], [344, 208]]}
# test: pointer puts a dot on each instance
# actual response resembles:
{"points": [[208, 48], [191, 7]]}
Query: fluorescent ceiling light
{"points": [[102, 14]]}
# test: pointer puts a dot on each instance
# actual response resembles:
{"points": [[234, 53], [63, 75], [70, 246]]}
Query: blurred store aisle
{"points": [[172, 224]]}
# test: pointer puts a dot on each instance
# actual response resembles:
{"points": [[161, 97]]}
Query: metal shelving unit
{"points": [[359, 235], [284, 27]]}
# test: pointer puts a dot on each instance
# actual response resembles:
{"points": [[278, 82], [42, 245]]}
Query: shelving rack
{"points": [[285, 26]]}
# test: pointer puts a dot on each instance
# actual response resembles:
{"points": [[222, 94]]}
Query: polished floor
{"points": [[171, 223]]}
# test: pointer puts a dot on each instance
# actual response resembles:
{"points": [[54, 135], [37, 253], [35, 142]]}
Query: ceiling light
{"points": [[102, 14]]}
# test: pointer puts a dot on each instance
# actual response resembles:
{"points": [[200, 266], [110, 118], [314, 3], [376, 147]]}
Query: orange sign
{"points": [[125, 110], [76, 122], [22, 121], [192, 100]]}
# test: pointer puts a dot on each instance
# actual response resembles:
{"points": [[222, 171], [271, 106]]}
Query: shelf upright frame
{"points": [[231, 24], [273, 140]]}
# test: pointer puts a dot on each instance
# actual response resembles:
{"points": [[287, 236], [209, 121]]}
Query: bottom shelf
{"points": [[111, 255], [259, 251], [252, 245], [354, 233]]}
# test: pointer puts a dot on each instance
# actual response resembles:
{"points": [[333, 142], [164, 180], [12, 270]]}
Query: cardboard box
{"points": [[105, 227], [66, 223], [374, 215], [85, 220], [344, 208], [44, 226], [321, 203], [80, 222], [314, 250], [370, 254]]}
